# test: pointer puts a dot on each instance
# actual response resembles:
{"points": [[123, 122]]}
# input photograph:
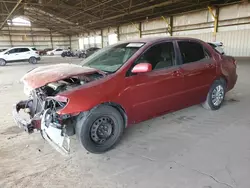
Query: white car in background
{"points": [[57, 51], [17, 54]]}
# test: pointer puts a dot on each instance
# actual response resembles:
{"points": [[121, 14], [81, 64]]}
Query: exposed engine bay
{"points": [[44, 97]]}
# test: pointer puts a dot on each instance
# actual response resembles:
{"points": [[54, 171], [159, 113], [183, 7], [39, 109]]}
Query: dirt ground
{"points": [[191, 148]]}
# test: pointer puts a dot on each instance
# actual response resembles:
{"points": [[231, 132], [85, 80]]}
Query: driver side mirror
{"points": [[8, 53], [142, 67]]}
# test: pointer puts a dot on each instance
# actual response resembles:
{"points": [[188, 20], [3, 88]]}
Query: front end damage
{"points": [[43, 106], [43, 117]]}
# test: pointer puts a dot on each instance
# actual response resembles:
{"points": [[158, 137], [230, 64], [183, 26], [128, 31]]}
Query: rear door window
{"points": [[23, 50], [191, 51]]}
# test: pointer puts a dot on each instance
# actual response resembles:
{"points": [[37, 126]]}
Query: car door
{"points": [[12, 54], [24, 53], [199, 70], [158, 91]]}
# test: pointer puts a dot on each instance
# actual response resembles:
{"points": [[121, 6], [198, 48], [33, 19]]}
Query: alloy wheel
{"points": [[217, 95]]}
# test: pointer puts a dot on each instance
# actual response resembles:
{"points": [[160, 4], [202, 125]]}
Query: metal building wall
{"points": [[157, 27], [233, 28], [197, 25], [129, 31], [74, 41], [32, 36]]}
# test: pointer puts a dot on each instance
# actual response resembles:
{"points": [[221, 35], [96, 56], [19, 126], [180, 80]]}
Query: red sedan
{"points": [[121, 85]]}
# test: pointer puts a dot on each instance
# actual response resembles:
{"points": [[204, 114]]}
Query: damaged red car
{"points": [[121, 85]]}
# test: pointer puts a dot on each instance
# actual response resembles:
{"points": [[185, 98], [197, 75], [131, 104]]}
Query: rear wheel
{"points": [[100, 129], [216, 95], [2, 62], [32, 60]]}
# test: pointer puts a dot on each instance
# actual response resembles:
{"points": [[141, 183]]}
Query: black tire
{"points": [[87, 125], [209, 103], [2, 62], [32, 60]]}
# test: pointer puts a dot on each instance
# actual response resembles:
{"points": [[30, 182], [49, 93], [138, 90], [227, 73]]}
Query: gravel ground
{"points": [[190, 148]]}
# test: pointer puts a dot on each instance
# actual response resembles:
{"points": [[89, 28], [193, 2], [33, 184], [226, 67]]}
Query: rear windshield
{"points": [[34, 49]]}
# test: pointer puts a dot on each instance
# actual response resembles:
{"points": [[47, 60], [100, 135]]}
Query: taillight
{"points": [[235, 63], [37, 52]]}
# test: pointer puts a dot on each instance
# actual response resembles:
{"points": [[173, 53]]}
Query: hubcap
{"points": [[2, 62], [217, 95], [33, 60], [102, 129]]}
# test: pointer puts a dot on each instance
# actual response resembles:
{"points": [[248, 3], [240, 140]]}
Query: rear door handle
{"points": [[176, 73], [210, 66]]}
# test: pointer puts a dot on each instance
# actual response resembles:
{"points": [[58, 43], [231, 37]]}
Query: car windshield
{"points": [[111, 58]]}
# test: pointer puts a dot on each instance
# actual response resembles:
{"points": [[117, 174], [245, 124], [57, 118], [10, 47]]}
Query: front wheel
{"points": [[2, 62], [216, 95], [32, 60], [100, 129]]}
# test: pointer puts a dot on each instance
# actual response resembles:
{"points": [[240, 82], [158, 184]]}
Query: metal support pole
{"points": [[169, 25], [51, 40], [70, 42], [215, 16], [10, 37], [89, 39], [31, 32], [102, 37], [140, 33], [118, 33], [138, 28]]}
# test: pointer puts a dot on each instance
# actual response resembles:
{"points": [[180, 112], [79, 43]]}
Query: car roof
{"points": [[21, 47], [158, 39]]}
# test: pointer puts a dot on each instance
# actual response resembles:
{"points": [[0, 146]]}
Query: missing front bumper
{"points": [[56, 137]]}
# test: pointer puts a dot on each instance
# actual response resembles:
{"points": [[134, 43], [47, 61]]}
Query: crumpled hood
{"points": [[41, 76]]}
